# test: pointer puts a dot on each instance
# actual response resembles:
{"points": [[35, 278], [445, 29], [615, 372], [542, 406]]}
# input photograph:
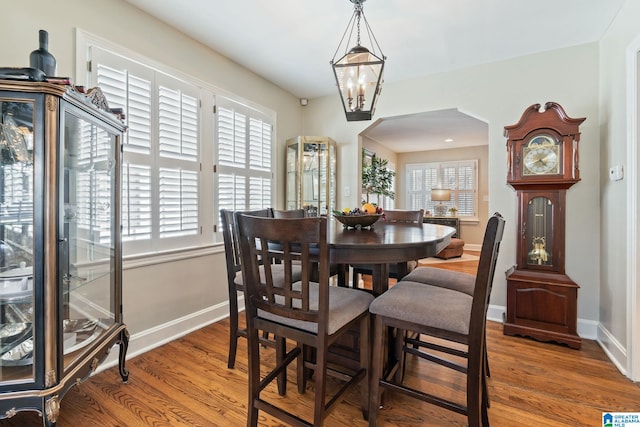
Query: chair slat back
{"points": [[293, 213], [404, 216], [229, 235], [302, 241]]}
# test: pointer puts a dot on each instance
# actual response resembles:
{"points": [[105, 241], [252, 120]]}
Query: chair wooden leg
{"points": [[320, 385], [301, 370], [281, 350], [475, 388], [343, 275], [399, 355], [365, 363], [375, 373], [354, 279], [485, 402], [233, 331], [254, 378]]}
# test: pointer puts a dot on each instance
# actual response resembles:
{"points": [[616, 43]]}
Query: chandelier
{"points": [[359, 71]]}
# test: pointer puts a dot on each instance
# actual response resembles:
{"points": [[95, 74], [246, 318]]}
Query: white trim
{"points": [[613, 349], [157, 336], [473, 246], [633, 220], [162, 257]]}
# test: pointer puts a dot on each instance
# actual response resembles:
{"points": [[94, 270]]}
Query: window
{"points": [[461, 177], [171, 147], [244, 157]]}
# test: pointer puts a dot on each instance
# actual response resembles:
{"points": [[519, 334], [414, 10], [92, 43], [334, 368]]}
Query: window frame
{"points": [[441, 182], [208, 234]]}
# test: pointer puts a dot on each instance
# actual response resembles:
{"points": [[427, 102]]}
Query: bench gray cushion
{"points": [[454, 280], [425, 305], [345, 304]]}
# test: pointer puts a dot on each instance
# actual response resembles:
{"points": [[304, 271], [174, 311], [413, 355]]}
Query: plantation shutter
{"points": [[459, 177], [133, 93], [161, 165], [178, 151], [467, 194], [244, 158]]}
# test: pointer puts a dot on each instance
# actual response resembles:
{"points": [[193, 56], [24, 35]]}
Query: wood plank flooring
{"points": [[186, 383]]}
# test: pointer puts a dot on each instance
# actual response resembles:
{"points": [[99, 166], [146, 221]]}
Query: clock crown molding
{"points": [[552, 117]]}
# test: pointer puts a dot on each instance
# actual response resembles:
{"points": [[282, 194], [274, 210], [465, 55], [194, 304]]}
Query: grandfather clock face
{"points": [[539, 232], [541, 156]]}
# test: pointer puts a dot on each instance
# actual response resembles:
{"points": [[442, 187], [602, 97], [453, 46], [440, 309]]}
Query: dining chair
{"points": [[235, 282], [291, 213], [338, 270], [312, 314], [450, 316], [403, 216], [448, 279]]}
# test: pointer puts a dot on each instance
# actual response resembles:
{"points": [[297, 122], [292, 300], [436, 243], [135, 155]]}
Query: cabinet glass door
{"points": [[293, 189], [16, 240], [87, 260], [311, 186]]}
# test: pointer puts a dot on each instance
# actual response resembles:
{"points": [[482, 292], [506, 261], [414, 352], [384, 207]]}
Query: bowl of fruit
{"points": [[359, 218]]}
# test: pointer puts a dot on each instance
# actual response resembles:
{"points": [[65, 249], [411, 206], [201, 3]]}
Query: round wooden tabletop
{"points": [[385, 243]]}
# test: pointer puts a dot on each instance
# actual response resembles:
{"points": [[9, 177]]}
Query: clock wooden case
{"points": [[542, 153]]}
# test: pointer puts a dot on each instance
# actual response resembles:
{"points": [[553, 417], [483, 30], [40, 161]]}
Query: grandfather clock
{"points": [[542, 156]]}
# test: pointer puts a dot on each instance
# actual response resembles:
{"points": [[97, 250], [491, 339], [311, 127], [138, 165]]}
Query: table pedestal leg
{"points": [[380, 278]]}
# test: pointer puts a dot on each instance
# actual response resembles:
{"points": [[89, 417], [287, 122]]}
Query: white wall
{"points": [[614, 116], [498, 93], [175, 294]]}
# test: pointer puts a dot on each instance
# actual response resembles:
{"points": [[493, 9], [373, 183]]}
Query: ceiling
{"points": [[432, 130], [291, 42]]}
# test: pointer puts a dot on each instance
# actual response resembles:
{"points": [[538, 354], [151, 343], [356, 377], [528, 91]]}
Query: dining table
{"points": [[380, 245], [385, 243]]}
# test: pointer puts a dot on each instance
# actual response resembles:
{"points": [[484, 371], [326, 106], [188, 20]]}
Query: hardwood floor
{"points": [[186, 383]]}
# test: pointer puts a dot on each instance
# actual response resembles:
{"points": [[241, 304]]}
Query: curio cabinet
{"points": [[60, 251], [311, 174]]}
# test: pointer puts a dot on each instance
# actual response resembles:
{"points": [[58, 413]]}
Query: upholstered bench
{"points": [[454, 249]]}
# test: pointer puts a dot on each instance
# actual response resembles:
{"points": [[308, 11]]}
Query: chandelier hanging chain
{"points": [[358, 71], [358, 12]]}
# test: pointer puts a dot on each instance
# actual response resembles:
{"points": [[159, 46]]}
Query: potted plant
{"points": [[376, 177]]}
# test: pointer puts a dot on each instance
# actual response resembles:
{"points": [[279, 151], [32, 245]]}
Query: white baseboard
{"points": [[615, 351], [496, 312], [144, 341]]}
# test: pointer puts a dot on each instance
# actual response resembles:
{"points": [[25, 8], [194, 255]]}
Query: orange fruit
{"points": [[368, 208]]}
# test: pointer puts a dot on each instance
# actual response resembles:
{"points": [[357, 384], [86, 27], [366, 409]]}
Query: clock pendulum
{"points": [[538, 253]]}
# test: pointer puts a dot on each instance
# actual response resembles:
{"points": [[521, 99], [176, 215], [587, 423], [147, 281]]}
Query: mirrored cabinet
{"points": [[60, 251], [311, 174]]}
